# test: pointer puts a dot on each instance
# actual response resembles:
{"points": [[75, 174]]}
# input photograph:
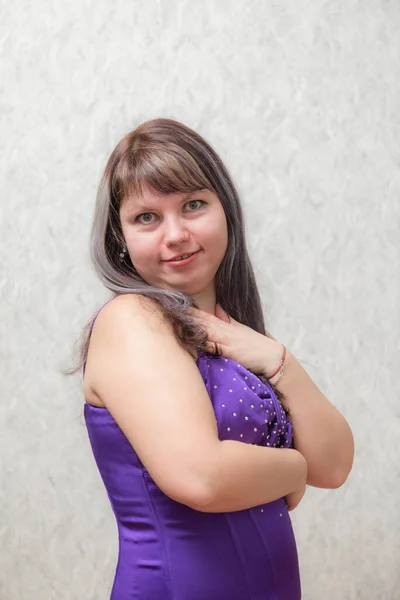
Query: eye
{"points": [[195, 204], [147, 218], [145, 221]]}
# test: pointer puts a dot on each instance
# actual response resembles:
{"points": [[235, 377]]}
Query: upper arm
{"points": [[154, 391]]}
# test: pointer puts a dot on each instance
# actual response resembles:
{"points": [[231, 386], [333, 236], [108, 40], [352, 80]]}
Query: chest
{"points": [[246, 408]]}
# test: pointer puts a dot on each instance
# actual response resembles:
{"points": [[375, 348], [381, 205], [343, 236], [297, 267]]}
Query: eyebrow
{"points": [[147, 208]]}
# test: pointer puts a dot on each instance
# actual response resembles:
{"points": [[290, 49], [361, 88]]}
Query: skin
{"points": [[185, 456], [153, 389], [156, 228], [322, 434]]}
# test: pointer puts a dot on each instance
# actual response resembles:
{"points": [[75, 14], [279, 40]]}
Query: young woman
{"points": [[204, 428]]}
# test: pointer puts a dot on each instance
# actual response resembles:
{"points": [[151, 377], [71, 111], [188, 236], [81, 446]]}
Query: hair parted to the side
{"points": [[165, 157]]}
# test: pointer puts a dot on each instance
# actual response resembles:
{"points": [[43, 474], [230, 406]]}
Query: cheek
{"points": [[141, 252], [217, 236]]}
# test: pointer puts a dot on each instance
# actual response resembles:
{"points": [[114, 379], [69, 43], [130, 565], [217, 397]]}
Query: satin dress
{"points": [[168, 551]]}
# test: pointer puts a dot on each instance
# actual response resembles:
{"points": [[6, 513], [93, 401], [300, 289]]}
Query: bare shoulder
{"points": [[125, 327], [131, 309], [155, 392]]}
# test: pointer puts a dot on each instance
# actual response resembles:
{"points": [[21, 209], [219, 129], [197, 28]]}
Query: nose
{"points": [[175, 232]]}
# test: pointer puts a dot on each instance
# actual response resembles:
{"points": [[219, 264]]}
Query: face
{"points": [[158, 228]]}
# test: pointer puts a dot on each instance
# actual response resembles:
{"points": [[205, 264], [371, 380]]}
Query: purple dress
{"points": [[168, 551]]}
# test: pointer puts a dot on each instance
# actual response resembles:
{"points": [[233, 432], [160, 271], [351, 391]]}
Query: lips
{"points": [[183, 262], [178, 256]]}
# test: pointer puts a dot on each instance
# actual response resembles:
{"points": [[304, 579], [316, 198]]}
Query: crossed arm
{"points": [[154, 391], [321, 433]]}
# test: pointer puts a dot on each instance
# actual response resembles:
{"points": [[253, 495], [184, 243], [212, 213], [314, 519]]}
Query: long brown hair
{"points": [[165, 157]]}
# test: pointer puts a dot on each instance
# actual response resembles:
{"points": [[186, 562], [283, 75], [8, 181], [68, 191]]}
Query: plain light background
{"points": [[301, 99]]}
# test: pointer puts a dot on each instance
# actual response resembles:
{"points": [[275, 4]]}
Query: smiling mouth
{"points": [[182, 257]]}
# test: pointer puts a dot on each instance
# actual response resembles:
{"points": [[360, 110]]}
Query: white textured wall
{"points": [[302, 101]]}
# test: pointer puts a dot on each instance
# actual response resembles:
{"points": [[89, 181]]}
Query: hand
{"points": [[256, 352], [294, 498]]}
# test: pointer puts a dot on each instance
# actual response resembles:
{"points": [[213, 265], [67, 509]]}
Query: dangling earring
{"points": [[122, 254]]}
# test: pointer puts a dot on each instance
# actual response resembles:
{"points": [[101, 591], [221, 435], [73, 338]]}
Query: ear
{"points": [[221, 314]]}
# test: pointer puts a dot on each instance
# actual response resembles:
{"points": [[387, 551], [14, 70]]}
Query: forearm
{"points": [[247, 475], [321, 433]]}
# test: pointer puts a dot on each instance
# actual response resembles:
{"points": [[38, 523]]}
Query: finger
{"points": [[214, 348], [210, 347]]}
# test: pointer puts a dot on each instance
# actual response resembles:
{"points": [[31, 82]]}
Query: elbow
{"points": [[338, 479], [203, 501], [333, 472], [198, 498], [196, 493], [194, 482], [330, 479], [343, 469]]}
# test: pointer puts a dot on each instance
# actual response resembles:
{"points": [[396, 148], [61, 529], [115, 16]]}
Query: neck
{"points": [[206, 300]]}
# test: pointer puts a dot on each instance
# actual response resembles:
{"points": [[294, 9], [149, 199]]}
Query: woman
{"points": [[187, 402]]}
